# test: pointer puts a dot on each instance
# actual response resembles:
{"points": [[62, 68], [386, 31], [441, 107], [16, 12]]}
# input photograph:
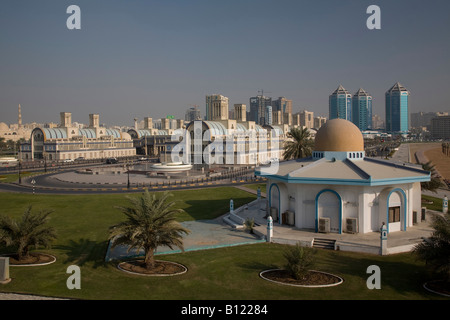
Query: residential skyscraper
{"points": [[340, 104], [216, 107], [258, 106], [268, 116], [307, 119], [282, 104], [192, 114], [362, 110], [397, 109]]}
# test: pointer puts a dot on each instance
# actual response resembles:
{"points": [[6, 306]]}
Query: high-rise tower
{"points": [[340, 104], [362, 110], [397, 108], [258, 106]]}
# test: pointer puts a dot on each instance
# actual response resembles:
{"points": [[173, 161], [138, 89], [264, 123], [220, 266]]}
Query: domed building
{"points": [[339, 189]]}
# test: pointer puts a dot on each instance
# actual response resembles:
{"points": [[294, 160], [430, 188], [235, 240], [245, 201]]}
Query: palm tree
{"points": [[436, 250], [435, 181], [28, 231], [151, 223], [299, 145]]}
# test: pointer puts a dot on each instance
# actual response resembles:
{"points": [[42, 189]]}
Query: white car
{"points": [[68, 161]]}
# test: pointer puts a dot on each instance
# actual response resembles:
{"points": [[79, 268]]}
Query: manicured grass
{"points": [[225, 274], [77, 217], [436, 205], [255, 186], [13, 177], [230, 273]]}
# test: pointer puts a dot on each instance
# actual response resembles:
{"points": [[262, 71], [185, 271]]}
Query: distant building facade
{"points": [[440, 127], [216, 107], [307, 119], [319, 121], [240, 112], [423, 119]]}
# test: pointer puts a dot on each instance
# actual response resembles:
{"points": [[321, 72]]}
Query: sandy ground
{"points": [[433, 151]]}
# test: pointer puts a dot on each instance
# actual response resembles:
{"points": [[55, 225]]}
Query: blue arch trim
{"points": [[340, 208], [279, 199], [404, 205]]}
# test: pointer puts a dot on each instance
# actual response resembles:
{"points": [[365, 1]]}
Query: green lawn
{"points": [[13, 177], [227, 273], [435, 205], [255, 186]]}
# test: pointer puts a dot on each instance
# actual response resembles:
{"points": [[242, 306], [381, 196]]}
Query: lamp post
{"points": [[20, 167], [128, 173]]}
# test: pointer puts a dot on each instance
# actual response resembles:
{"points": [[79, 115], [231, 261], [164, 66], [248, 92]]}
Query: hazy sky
{"points": [[140, 58]]}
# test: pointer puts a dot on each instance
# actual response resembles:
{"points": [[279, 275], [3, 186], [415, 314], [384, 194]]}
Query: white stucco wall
{"points": [[368, 204]]}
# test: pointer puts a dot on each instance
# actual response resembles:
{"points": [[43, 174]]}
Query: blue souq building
{"points": [[397, 108]]}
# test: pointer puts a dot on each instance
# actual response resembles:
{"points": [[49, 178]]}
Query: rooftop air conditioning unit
{"points": [[324, 225], [352, 225]]}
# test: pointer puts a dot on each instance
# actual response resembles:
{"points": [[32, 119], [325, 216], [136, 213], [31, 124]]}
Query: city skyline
{"points": [[134, 60]]}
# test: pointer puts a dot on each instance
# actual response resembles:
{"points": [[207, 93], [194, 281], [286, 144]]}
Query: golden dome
{"points": [[339, 135]]}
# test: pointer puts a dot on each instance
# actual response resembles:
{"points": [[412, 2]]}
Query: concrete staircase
{"points": [[234, 220], [324, 243]]}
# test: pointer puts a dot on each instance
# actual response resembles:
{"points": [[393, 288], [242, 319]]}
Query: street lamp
{"points": [[128, 172], [20, 167]]}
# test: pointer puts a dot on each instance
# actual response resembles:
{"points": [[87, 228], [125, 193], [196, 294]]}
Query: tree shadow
{"points": [[259, 266], [85, 251], [402, 273], [212, 209]]}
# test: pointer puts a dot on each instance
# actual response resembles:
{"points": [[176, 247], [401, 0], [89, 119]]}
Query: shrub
{"points": [[299, 260]]}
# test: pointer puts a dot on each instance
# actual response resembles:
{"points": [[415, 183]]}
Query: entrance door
{"points": [[329, 206]]}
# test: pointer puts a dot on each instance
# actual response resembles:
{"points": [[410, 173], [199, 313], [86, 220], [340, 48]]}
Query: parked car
{"points": [[111, 160], [68, 161], [79, 159]]}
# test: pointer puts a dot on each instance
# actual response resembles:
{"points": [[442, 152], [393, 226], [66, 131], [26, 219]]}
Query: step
{"points": [[324, 243]]}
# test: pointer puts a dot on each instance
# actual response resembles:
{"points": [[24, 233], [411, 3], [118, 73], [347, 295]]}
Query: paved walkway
{"points": [[205, 234], [15, 296]]}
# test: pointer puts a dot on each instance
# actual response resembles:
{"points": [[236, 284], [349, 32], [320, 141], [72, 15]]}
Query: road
{"points": [[45, 184]]}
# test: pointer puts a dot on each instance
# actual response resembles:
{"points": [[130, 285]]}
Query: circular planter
{"points": [[426, 285], [137, 270], [337, 280], [49, 259]]}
